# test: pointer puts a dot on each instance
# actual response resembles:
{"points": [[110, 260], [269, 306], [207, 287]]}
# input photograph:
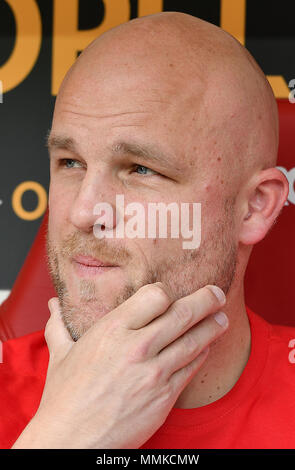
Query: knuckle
{"points": [[190, 344], [138, 352], [182, 313], [188, 370], [158, 294], [166, 396], [110, 325], [154, 375], [192, 368]]}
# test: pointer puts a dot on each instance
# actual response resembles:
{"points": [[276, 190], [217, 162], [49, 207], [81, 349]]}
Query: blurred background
{"points": [[40, 39]]}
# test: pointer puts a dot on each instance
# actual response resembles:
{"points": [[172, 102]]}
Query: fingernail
{"points": [[221, 319], [218, 293]]}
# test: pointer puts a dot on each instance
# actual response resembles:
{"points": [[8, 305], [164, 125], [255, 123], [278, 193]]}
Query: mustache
{"points": [[74, 244]]}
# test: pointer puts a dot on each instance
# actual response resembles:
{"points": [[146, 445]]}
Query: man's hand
{"points": [[115, 386]]}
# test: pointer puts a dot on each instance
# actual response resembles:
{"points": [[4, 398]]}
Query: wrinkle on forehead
{"points": [[68, 108]]}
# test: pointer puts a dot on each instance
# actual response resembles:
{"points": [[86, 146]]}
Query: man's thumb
{"points": [[56, 335]]}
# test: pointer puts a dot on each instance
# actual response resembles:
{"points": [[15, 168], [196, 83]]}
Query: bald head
{"points": [[205, 71]]}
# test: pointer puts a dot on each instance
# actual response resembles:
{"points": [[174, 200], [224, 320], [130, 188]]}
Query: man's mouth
{"points": [[87, 266]]}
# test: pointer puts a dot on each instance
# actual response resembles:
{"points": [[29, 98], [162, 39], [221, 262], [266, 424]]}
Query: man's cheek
{"points": [[59, 206]]}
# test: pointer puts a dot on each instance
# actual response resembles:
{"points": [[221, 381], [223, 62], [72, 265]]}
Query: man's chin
{"points": [[80, 311], [80, 317]]}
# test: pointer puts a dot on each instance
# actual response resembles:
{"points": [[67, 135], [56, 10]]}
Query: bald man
{"points": [[150, 344]]}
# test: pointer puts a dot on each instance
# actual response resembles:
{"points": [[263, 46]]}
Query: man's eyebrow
{"points": [[144, 151], [60, 142]]}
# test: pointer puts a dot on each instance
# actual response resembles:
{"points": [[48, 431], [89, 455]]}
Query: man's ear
{"points": [[265, 201]]}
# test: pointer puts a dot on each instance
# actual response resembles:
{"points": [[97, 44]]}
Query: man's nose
{"points": [[93, 190]]}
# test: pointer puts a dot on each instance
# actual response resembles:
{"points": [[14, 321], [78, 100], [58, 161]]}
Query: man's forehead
{"points": [[163, 124], [138, 61]]}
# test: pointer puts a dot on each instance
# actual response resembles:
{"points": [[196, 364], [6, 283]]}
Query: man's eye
{"points": [[143, 170], [67, 163]]}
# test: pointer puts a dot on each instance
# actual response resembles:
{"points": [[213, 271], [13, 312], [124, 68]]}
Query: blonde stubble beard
{"points": [[213, 263]]}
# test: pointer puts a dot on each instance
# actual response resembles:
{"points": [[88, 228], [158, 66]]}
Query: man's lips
{"points": [[89, 261], [86, 266]]}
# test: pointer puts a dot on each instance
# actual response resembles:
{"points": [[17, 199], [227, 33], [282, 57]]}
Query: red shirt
{"points": [[258, 412]]}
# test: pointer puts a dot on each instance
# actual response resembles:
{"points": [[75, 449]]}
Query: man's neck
{"points": [[225, 363]]}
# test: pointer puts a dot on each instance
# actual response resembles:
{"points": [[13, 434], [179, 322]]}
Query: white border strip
{"points": [[3, 295]]}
